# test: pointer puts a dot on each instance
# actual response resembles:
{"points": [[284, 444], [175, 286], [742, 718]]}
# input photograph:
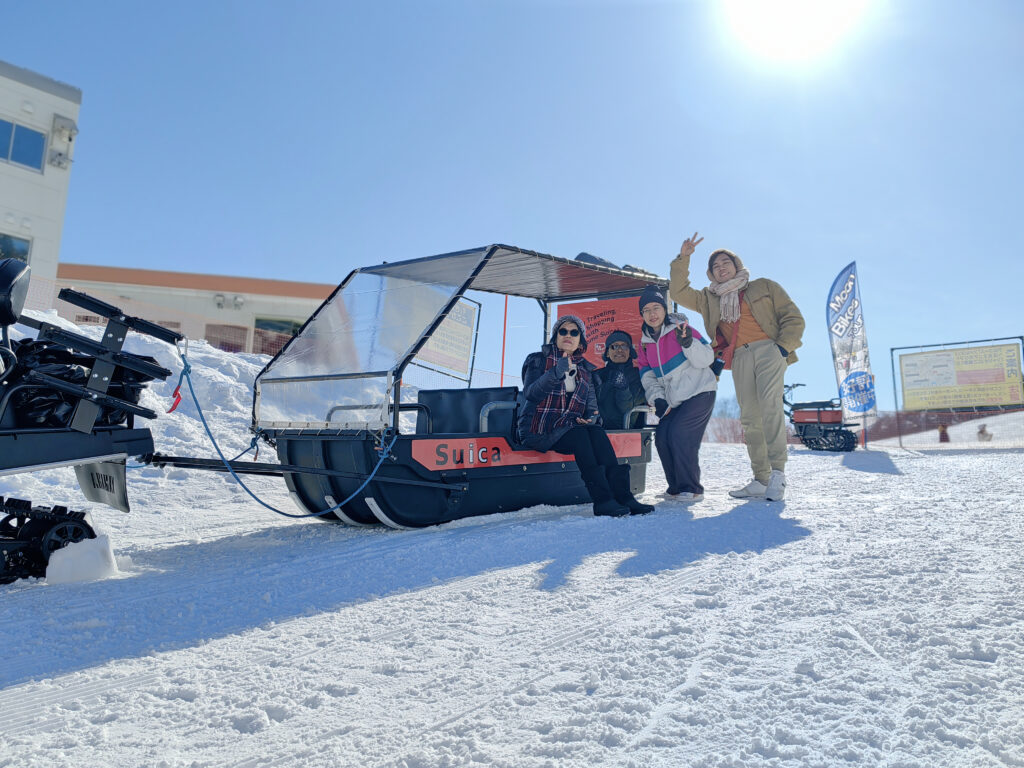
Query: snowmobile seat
{"points": [[819, 416], [467, 411], [816, 404]]}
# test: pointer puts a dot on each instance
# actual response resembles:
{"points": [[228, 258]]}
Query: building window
{"points": [[22, 145], [170, 325], [81, 319], [230, 338], [272, 333], [12, 247]]}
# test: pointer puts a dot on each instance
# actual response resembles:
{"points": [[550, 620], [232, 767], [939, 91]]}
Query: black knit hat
{"points": [[615, 336], [653, 294], [569, 319]]}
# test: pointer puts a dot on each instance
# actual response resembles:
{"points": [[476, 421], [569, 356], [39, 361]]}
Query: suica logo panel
{"points": [[484, 452]]}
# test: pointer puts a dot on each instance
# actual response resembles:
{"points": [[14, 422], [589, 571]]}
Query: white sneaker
{"points": [[689, 498], [752, 490], [776, 490]]}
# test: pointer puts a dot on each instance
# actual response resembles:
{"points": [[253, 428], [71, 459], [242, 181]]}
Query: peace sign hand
{"points": [[690, 245]]}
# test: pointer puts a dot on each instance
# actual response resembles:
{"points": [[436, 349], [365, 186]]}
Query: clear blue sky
{"points": [[299, 140]]}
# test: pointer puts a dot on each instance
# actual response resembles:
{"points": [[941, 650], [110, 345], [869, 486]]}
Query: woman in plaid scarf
{"points": [[559, 413]]}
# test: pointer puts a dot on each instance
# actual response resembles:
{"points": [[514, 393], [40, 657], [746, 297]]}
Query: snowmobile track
{"points": [[23, 710], [604, 615]]}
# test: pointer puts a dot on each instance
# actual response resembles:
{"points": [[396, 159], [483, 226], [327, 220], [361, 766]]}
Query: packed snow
{"points": [[875, 617]]}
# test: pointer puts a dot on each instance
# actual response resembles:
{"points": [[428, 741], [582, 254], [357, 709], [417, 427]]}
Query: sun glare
{"points": [[793, 30]]}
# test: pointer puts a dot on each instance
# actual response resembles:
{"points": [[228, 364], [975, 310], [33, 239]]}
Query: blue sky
{"points": [[299, 140]]}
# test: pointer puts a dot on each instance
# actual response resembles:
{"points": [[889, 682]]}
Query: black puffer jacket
{"points": [[537, 384], [618, 392]]}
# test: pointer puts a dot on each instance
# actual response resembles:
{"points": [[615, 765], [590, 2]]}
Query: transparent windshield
{"points": [[335, 372]]}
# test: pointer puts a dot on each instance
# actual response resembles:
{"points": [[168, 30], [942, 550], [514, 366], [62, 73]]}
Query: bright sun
{"points": [[793, 30]]}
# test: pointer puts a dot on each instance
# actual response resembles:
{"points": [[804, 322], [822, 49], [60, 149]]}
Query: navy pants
{"points": [[678, 439]]}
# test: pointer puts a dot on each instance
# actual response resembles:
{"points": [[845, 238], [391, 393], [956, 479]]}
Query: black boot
{"points": [[601, 494], [618, 481]]}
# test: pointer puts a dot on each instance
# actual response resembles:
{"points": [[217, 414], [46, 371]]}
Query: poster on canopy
{"points": [[451, 345], [850, 347], [601, 318]]}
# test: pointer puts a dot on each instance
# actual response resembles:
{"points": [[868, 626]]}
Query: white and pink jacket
{"points": [[670, 372]]}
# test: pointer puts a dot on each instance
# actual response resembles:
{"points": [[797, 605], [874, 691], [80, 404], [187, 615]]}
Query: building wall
{"points": [[32, 201], [234, 313]]}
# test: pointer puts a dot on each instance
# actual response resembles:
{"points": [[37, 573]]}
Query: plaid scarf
{"points": [[558, 407]]}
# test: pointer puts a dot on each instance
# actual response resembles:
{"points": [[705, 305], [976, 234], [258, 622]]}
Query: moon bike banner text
{"points": [[850, 347]]}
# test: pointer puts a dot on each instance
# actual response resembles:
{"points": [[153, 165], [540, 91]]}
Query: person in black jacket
{"points": [[558, 412], [619, 390]]}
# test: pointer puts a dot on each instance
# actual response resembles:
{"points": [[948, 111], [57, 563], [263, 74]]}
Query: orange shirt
{"points": [[749, 330]]}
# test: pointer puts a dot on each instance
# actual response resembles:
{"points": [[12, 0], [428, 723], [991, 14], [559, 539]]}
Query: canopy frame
{"points": [[502, 269]]}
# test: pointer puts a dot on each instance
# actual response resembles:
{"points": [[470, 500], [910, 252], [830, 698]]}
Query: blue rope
{"points": [[186, 374], [252, 444]]}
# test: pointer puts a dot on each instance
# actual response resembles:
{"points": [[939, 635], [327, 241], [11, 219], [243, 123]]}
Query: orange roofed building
{"points": [[237, 314]]}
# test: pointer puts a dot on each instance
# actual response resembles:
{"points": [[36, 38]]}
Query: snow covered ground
{"points": [[873, 618]]}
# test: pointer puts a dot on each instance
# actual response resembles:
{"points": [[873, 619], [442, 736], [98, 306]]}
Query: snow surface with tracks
{"points": [[873, 618]]}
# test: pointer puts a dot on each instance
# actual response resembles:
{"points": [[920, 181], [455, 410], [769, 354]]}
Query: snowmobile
{"points": [[371, 407], [66, 400], [819, 423]]}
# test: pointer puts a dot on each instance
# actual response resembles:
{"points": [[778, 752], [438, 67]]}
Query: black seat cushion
{"points": [[458, 410]]}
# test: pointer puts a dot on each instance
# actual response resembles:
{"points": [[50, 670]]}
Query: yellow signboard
{"points": [[967, 377]]}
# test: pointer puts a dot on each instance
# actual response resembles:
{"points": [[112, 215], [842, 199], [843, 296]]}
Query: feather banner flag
{"points": [[850, 347]]}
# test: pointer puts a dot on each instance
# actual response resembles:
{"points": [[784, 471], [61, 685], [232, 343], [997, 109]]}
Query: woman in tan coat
{"points": [[756, 327]]}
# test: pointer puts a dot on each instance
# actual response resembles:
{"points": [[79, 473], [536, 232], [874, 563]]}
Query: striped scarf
{"points": [[729, 294], [559, 407]]}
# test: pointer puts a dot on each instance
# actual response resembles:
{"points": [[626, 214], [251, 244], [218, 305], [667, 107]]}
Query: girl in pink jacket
{"points": [[675, 371]]}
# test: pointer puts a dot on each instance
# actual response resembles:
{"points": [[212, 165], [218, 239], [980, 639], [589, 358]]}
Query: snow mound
{"points": [[88, 560]]}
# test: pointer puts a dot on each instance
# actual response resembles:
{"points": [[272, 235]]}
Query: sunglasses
{"points": [[620, 346], [566, 332]]}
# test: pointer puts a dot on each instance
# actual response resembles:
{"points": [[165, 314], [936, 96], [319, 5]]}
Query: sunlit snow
{"points": [[873, 618]]}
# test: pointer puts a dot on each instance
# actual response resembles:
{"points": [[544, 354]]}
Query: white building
{"points": [[38, 123]]}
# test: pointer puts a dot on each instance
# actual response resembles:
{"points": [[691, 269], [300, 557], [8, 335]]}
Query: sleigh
{"points": [[363, 432], [356, 382]]}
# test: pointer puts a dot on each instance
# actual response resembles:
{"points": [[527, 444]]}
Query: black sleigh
{"points": [[354, 410]]}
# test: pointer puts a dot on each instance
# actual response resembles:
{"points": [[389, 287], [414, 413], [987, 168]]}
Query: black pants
{"points": [[590, 445], [678, 440]]}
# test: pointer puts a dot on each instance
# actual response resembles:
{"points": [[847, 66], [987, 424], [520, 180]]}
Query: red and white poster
{"points": [[601, 318]]}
